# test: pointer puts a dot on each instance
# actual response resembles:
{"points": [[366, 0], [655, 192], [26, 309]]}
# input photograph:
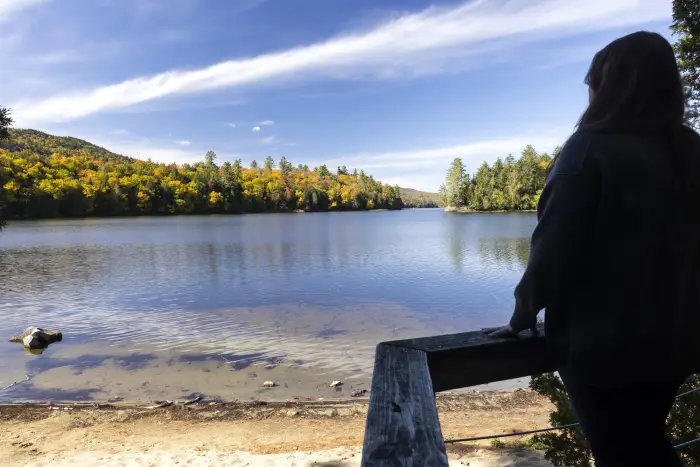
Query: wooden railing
{"points": [[402, 422]]}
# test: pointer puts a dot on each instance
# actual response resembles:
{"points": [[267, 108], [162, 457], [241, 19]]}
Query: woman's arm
{"points": [[566, 212]]}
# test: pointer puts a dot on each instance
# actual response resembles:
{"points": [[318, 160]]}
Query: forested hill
{"points": [[48, 176], [420, 199], [44, 144]]}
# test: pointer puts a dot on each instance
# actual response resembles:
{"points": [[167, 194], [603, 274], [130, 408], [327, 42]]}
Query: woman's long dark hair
{"points": [[637, 89]]}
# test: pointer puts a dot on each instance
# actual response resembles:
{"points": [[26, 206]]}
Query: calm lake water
{"points": [[161, 308]]}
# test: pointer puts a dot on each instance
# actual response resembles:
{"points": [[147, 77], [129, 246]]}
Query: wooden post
{"points": [[402, 423], [402, 427]]}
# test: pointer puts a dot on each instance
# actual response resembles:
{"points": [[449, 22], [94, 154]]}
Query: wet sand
{"points": [[301, 349], [253, 434]]}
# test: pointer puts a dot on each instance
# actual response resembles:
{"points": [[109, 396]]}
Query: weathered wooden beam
{"points": [[472, 358], [402, 422]]}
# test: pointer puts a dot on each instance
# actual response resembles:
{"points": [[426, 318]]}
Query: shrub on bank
{"points": [[568, 447]]}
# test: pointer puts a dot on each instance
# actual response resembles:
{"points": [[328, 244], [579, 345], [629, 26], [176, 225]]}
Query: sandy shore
{"points": [[252, 434]]}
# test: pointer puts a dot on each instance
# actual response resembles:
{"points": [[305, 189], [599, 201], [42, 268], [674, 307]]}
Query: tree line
{"points": [[41, 180], [506, 185]]}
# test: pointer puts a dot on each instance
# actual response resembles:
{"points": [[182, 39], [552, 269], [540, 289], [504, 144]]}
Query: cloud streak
{"points": [[473, 154], [9, 7], [424, 167], [410, 43]]}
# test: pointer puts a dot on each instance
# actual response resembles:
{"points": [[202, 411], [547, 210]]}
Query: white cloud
{"points": [[144, 150], [256, 129], [267, 123], [429, 41], [159, 151], [9, 7], [184, 142], [267, 140], [231, 125], [473, 154], [86, 51], [424, 168]]}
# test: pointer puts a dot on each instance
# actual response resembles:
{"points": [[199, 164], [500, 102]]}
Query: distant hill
{"points": [[419, 199], [44, 145], [87, 180]]}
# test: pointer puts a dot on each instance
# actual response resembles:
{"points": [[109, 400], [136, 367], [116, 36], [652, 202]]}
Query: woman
{"points": [[615, 257]]}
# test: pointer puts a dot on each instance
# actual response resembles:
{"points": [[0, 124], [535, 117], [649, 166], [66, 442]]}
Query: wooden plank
{"points": [[458, 341], [402, 422], [472, 358]]}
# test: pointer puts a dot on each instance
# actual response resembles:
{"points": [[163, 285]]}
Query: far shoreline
{"points": [[455, 210], [199, 214]]}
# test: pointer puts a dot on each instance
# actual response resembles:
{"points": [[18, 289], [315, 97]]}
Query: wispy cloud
{"points": [[88, 51], [473, 153], [157, 151], [255, 129], [424, 167], [406, 43], [145, 150], [231, 125], [184, 142], [9, 7], [267, 123], [246, 5], [267, 140]]}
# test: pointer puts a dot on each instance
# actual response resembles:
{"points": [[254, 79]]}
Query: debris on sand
{"points": [[336, 384], [358, 393], [26, 378], [269, 384], [160, 405]]}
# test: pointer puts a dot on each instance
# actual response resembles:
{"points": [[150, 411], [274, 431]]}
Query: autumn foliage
{"points": [[47, 176]]}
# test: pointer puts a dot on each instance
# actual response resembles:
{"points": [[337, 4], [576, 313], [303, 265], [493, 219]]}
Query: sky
{"points": [[395, 87]]}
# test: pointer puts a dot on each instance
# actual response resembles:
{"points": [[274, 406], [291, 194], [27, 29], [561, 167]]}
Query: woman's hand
{"points": [[507, 331]]}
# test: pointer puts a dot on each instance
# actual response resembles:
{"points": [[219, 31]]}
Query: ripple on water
{"points": [[201, 299]]}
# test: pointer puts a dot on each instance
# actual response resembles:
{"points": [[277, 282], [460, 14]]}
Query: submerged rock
{"points": [[37, 339]]}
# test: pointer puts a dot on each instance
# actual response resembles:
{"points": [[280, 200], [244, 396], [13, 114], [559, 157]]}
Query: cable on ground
{"points": [[554, 428]]}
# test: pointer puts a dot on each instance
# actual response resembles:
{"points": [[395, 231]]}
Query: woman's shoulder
{"points": [[574, 153]]}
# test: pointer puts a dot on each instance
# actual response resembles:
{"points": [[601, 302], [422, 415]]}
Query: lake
{"points": [[163, 308]]}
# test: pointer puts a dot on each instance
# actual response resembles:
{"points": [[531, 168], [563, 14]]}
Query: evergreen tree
{"points": [[456, 179], [210, 159], [5, 123], [442, 193], [686, 25]]}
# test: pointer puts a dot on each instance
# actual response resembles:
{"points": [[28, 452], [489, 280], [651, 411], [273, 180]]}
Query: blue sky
{"points": [[397, 88]]}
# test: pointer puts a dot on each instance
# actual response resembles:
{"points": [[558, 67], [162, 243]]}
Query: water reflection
{"points": [[510, 253], [196, 292]]}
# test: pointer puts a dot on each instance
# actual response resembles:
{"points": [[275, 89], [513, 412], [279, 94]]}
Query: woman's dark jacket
{"points": [[615, 261]]}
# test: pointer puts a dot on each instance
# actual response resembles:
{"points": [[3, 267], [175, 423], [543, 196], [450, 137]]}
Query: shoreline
{"points": [[499, 211], [204, 402], [199, 214], [255, 434]]}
